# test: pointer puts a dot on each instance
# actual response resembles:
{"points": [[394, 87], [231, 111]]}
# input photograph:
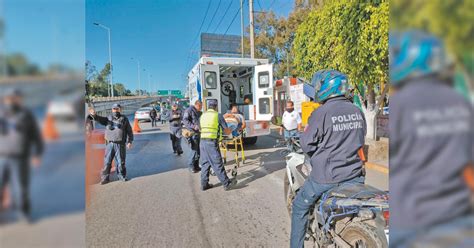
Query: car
{"points": [[143, 114]]}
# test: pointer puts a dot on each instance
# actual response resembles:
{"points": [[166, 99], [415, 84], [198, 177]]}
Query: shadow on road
{"points": [[263, 164]]}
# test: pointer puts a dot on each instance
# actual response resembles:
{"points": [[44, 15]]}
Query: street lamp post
{"points": [[110, 58], [138, 71]]}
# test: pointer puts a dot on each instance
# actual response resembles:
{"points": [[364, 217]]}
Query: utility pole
{"points": [[242, 28], [252, 44]]}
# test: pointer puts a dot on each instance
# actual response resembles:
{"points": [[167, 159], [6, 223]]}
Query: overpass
{"points": [[39, 90], [130, 104]]}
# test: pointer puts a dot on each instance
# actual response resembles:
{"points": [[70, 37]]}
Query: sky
{"points": [[45, 31], [160, 34]]}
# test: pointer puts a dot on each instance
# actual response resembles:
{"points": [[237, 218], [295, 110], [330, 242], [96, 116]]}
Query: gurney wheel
{"points": [[234, 172], [225, 161], [212, 172]]}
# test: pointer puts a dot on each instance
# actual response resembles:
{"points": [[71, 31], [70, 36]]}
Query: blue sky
{"points": [[159, 33], [46, 31]]}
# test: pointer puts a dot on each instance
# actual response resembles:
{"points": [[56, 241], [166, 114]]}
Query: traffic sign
{"points": [[163, 92], [176, 92]]}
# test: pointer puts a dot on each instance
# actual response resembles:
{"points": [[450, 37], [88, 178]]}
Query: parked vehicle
{"points": [[351, 215], [143, 114], [242, 81]]}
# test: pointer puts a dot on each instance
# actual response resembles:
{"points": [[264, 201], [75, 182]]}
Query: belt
{"points": [[116, 142]]}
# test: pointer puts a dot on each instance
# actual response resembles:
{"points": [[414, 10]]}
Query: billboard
{"points": [[218, 45]]}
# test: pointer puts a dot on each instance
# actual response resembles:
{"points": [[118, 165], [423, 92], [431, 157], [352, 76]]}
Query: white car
{"points": [[143, 114]]}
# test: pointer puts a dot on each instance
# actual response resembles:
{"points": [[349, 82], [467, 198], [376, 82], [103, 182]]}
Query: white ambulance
{"points": [[245, 82]]}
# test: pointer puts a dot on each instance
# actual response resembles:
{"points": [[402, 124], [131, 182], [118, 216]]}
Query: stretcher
{"points": [[233, 143]]}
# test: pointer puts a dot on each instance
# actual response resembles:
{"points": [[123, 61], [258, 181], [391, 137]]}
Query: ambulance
{"points": [[245, 82]]}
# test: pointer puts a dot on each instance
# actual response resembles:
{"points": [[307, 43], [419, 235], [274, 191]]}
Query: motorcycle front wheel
{"points": [[360, 235], [289, 195]]}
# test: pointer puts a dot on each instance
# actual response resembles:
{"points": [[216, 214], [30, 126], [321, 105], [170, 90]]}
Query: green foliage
{"points": [[17, 64], [453, 21], [274, 36], [97, 83], [349, 36]]}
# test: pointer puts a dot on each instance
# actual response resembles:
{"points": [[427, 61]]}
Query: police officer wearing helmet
{"points": [[212, 126], [335, 133], [20, 138], [119, 136], [431, 144]]}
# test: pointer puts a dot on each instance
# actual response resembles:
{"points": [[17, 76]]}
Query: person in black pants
{"points": [[153, 115], [175, 129]]}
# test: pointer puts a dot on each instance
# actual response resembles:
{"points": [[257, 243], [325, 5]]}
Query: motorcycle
{"points": [[350, 215]]}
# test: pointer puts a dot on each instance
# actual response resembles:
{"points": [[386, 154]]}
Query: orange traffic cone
{"points": [[49, 129], [136, 128], [6, 200]]}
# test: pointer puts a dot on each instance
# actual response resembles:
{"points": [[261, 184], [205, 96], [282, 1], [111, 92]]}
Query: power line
{"points": [[202, 23], [259, 5], [271, 5], [228, 7], [200, 27], [233, 19], [214, 15]]}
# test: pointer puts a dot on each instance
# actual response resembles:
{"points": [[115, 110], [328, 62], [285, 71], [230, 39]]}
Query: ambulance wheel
{"points": [[250, 140]]}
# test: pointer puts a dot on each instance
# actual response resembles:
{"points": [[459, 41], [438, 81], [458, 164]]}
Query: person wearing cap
{"points": [[191, 124], [175, 129], [119, 136], [20, 144], [213, 125]]}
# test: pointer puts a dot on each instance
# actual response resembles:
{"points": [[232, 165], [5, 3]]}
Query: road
{"points": [[57, 196], [162, 205]]}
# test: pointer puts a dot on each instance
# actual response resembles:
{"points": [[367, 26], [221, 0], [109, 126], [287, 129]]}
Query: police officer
{"points": [[175, 129], [191, 122], [118, 135], [19, 133], [335, 133], [213, 126], [431, 144]]}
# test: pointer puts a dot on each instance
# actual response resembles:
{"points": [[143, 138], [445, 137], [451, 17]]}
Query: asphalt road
{"points": [[162, 205], [57, 198]]}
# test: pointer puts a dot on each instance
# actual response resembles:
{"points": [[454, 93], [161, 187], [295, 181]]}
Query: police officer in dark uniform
{"points": [[191, 122], [119, 136], [213, 125], [335, 133], [19, 133], [175, 129], [431, 145]]}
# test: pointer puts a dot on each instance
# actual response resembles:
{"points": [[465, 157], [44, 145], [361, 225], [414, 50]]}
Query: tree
{"points": [[274, 36], [450, 20], [351, 37], [18, 64], [119, 89]]}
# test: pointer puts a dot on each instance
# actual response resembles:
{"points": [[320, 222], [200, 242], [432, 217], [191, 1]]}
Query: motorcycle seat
{"points": [[355, 191]]}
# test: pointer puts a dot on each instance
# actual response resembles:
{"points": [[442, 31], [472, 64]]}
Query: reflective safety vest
{"points": [[209, 125]]}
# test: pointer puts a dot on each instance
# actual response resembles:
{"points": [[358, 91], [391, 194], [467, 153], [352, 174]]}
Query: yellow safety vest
{"points": [[209, 124]]}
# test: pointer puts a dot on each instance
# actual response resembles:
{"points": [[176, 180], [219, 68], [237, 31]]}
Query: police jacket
{"points": [[19, 133], [117, 129], [175, 118], [431, 142], [212, 125], [191, 118], [335, 133]]}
